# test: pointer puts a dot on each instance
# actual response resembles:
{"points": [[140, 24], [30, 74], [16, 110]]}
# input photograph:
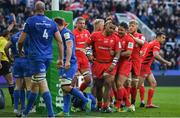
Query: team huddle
{"points": [[114, 62]]}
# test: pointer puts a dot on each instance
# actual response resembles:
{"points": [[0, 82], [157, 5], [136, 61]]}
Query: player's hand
{"points": [[112, 52], [169, 63], [111, 67], [59, 63], [0, 65], [67, 65]]}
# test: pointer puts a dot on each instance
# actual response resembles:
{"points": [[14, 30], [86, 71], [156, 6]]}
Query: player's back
{"points": [[14, 40], [67, 35], [41, 31], [151, 47]]}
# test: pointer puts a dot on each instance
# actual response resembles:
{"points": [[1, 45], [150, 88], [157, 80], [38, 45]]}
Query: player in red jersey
{"points": [[81, 37], [124, 65], [106, 51], [136, 58], [152, 51]]}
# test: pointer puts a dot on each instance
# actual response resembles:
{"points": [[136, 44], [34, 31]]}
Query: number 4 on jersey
{"points": [[45, 34]]}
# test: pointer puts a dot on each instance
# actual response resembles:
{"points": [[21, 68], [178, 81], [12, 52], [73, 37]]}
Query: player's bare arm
{"points": [[69, 45], [58, 39], [137, 40], [6, 50], [115, 60], [161, 59], [21, 42]]}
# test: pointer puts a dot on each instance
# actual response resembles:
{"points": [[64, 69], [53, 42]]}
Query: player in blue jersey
{"points": [[68, 71], [20, 71], [41, 31]]}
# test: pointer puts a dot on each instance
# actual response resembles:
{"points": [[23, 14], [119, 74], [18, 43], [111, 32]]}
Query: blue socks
{"points": [[32, 99], [27, 94], [67, 101], [22, 98], [16, 98], [48, 101], [79, 94]]}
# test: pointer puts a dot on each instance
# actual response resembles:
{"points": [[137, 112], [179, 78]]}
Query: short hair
{"points": [[159, 33], [133, 22], [97, 21], [124, 25], [79, 19], [59, 21], [40, 6]]}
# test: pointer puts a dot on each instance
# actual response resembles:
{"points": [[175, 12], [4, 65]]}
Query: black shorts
{"points": [[5, 68]]}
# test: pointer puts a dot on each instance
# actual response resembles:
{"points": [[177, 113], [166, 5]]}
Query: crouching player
{"points": [[106, 50], [77, 104], [68, 71], [20, 71], [152, 51]]}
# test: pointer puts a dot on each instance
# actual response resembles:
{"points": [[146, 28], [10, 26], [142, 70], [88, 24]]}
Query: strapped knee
{"points": [[39, 77]]}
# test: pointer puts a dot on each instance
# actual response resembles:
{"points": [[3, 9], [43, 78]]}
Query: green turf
{"points": [[168, 98]]}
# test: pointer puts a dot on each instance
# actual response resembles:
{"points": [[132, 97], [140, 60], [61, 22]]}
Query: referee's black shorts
{"points": [[6, 68]]}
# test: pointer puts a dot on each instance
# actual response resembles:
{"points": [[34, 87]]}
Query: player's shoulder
{"points": [[97, 33], [86, 31]]}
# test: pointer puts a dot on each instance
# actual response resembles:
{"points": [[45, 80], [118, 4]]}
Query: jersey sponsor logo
{"points": [[103, 48], [130, 45], [67, 36]]}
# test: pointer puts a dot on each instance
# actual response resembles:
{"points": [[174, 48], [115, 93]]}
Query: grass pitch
{"points": [[168, 98]]}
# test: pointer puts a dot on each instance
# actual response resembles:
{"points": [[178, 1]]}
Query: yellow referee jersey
{"points": [[3, 42]]}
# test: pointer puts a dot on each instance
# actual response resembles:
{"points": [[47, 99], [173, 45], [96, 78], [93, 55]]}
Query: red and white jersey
{"points": [[153, 46], [137, 48], [81, 38], [127, 43], [104, 45]]}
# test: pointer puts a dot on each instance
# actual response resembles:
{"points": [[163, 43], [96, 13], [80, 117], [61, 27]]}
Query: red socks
{"points": [[142, 93], [150, 95]]}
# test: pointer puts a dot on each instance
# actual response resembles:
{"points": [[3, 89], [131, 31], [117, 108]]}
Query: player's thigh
{"points": [[43, 86], [121, 80], [151, 80]]}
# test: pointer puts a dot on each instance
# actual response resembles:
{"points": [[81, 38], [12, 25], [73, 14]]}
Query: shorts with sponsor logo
{"points": [[98, 69], [21, 68], [124, 68], [39, 65], [66, 76], [136, 68], [83, 62], [145, 71]]}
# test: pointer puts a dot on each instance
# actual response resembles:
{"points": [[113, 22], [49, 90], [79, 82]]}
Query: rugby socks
{"points": [[133, 95], [16, 98], [128, 89], [79, 94], [120, 96], [32, 99], [100, 104], [150, 95], [67, 102], [11, 92], [142, 93], [27, 94], [83, 86], [22, 98], [127, 102], [48, 101]]}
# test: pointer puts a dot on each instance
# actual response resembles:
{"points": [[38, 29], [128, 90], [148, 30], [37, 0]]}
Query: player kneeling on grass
{"points": [[68, 71], [77, 104], [151, 52]]}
